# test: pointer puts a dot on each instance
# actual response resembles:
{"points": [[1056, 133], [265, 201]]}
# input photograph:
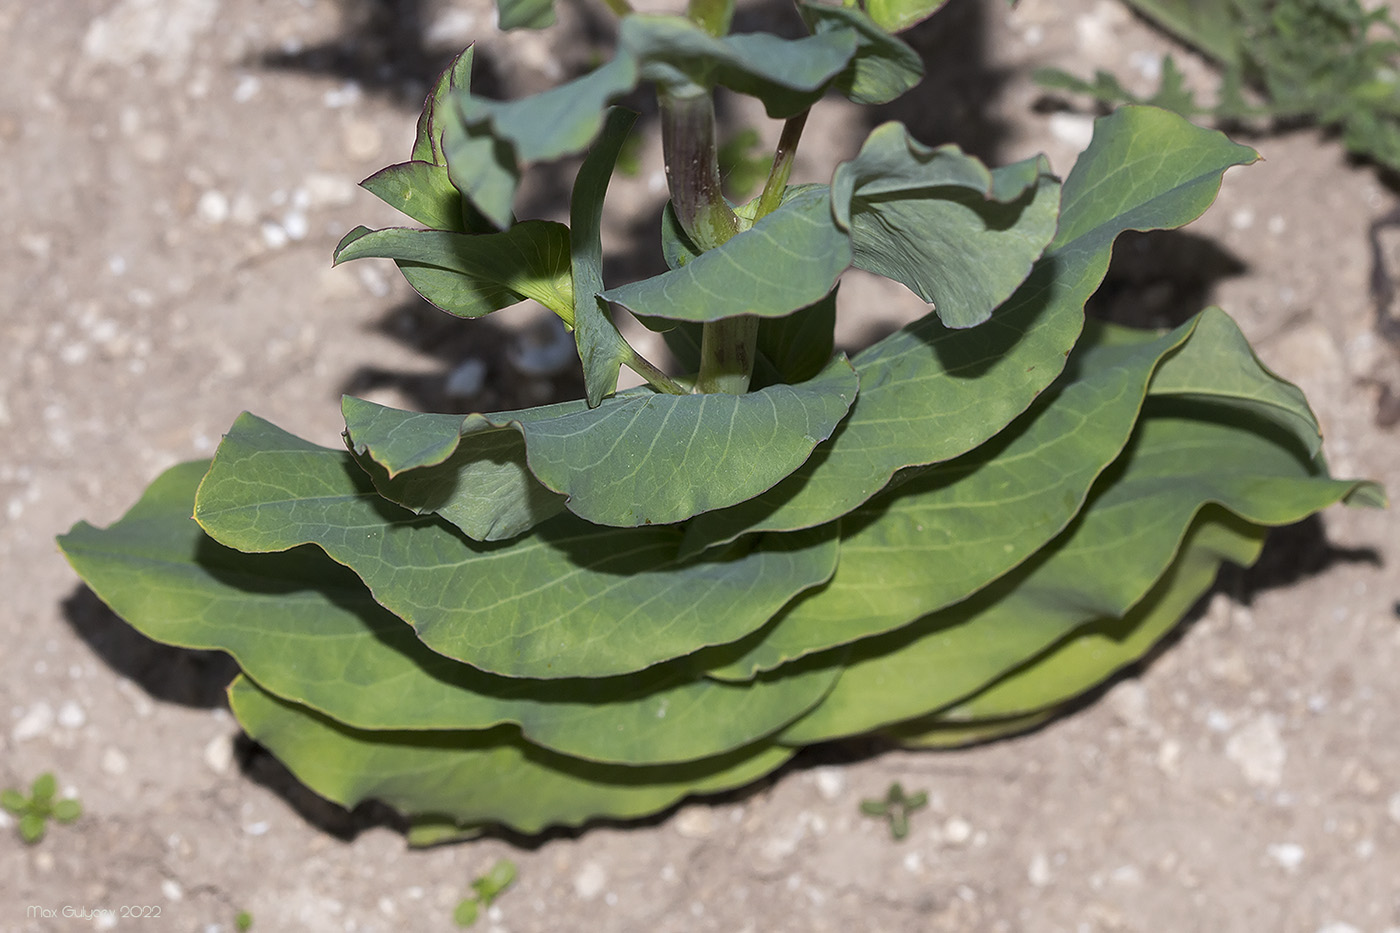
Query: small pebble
{"points": [[1393, 807], [171, 889], [213, 207], [957, 830], [1288, 855], [1338, 928], [218, 754], [831, 782], [695, 822], [1257, 747], [34, 723], [259, 828], [589, 882], [466, 379], [1038, 873], [114, 762], [1073, 129], [71, 715]]}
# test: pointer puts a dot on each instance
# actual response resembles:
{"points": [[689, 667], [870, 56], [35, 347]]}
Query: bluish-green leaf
{"points": [[474, 778], [485, 488], [475, 274], [1097, 651], [492, 139], [639, 458], [939, 537], [601, 348], [1221, 367], [594, 608], [525, 14], [958, 236], [788, 260], [435, 116], [898, 15], [422, 191], [929, 393], [883, 67], [306, 629], [1182, 459]]}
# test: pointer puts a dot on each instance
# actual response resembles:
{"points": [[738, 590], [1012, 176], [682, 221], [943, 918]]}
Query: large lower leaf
{"points": [[1182, 459], [594, 605], [638, 458], [306, 629], [938, 538], [474, 274], [473, 778], [930, 393], [1097, 651]]}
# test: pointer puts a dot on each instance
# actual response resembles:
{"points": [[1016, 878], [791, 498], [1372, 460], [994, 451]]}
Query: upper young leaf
{"points": [[958, 236], [929, 393], [788, 260], [493, 139], [474, 274], [883, 67]]}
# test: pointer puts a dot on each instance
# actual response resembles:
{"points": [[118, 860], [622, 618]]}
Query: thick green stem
{"points": [[692, 168]]}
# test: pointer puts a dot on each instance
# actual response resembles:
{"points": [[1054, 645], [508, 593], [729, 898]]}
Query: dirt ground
{"points": [[177, 173]]}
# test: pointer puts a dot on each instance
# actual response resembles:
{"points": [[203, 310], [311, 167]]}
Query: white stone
{"points": [[467, 378], [831, 782], [71, 715], [1038, 872], [957, 830], [1393, 807], [171, 889], [1338, 928], [589, 882], [34, 723], [114, 762], [213, 207], [1257, 748], [218, 754], [273, 235], [1288, 855], [1073, 129], [695, 822], [1128, 700]]}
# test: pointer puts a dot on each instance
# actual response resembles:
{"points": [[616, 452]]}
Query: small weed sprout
{"points": [[35, 810]]}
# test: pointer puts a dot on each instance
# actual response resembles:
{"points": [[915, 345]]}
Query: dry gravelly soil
{"points": [[176, 174]]}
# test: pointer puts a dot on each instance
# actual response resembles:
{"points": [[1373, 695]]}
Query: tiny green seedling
{"points": [[896, 807], [488, 887], [39, 807], [243, 922]]}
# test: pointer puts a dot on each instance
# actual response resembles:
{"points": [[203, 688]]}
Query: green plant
{"points": [[594, 608], [895, 807], [486, 889], [35, 810], [243, 921], [1332, 62]]}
